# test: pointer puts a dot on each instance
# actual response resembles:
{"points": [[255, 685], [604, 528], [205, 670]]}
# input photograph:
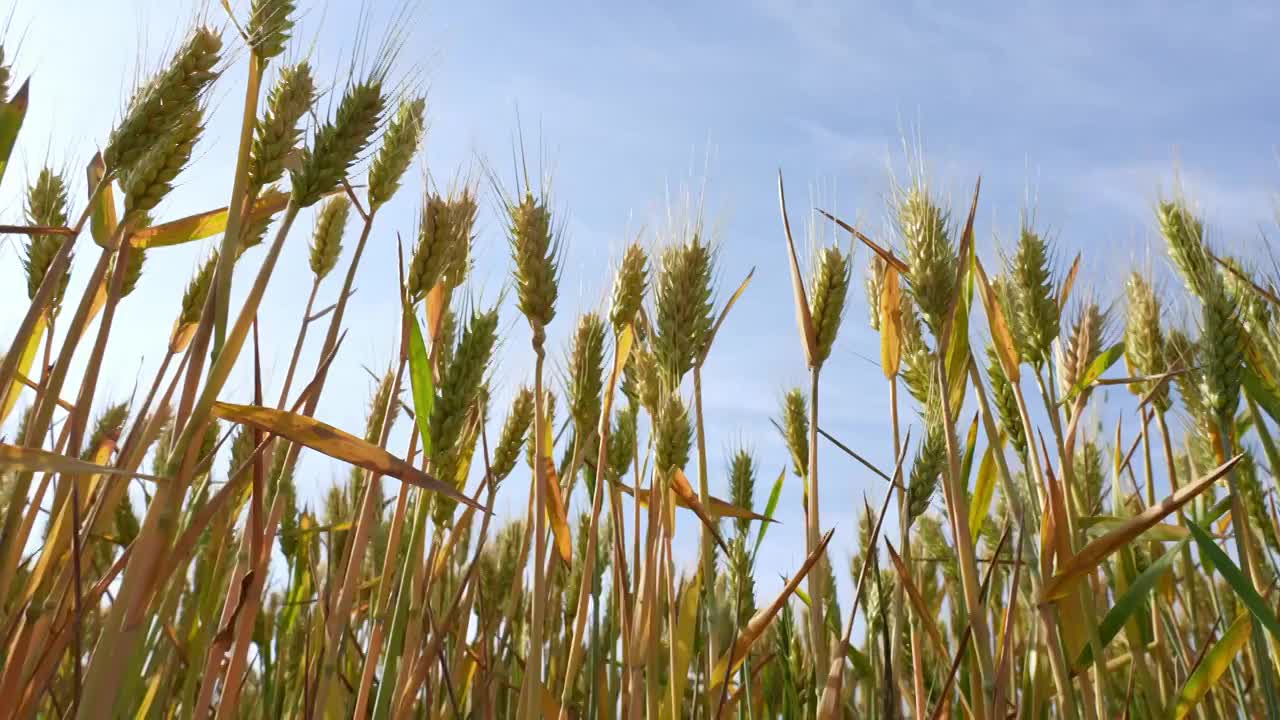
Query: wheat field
{"points": [[156, 560]]}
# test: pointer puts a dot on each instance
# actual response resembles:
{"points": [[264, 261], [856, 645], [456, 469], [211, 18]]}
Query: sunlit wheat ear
{"points": [[683, 295], [1006, 403], [338, 143], [1082, 343], [164, 102], [673, 435], [431, 253], [828, 291], [795, 430], [622, 440], [269, 25], [1144, 343], [152, 177], [192, 302], [46, 204], [326, 241], [1036, 319], [585, 381], [926, 469], [277, 133], [515, 430], [534, 249], [399, 145], [1184, 234], [1221, 352], [874, 285], [457, 224], [930, 255], [629, 287], [460, 390]]}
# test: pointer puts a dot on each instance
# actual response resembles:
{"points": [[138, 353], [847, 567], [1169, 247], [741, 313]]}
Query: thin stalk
{"points": [[919, 699], [220, 291], [958, 509], [297, 346], [707, 544], [533, 659], [817, 628]]}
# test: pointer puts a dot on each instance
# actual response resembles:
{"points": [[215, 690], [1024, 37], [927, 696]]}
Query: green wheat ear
{"points": [[1184, 234], [514, 433], [684, 305], [622, 440], [1006, 402], [1082, 343], [270, 22], [874, 285], [338, 143], [585, 382], [399, 145], [1144, 343], [152, 177], [1036, 316], [164, 102], [926, 469], [917, 358], [629, 287], [277, 133], [457, 223], [673, 435], [132, 272], [1221, 352], [46, 204], [828, 291], [795, 430], [930, 255], [326, 241], [742, 486], [460, 388], [534, 249]]}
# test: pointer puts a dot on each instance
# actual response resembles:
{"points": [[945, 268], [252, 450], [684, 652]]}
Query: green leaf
{"points": [[983, 491], [1100, 364], [1214, 664], [424, 391], [12, 114], [774, 495], [1235, 578], [103, 221], [1259, 392]]}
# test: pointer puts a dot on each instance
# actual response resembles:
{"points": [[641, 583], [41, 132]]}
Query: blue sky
{"points": [[1082, 112]]}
